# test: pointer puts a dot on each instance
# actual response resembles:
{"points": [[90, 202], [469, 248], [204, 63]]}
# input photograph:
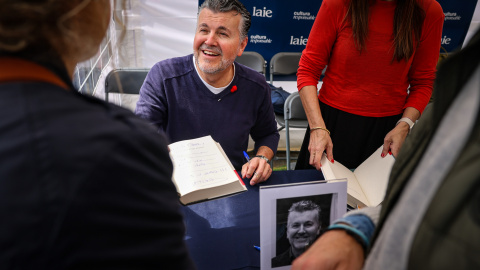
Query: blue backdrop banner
{"points": [[458, 16], [284, 25]]}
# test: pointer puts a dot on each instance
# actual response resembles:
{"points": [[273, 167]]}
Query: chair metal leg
{"points": [[287, 140]]}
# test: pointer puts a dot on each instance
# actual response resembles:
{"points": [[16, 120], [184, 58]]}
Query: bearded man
{"points": [[208, 93]]}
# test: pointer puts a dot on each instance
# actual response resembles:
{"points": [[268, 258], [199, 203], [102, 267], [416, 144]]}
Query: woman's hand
{"points": [[320, 141], [394, 139]]}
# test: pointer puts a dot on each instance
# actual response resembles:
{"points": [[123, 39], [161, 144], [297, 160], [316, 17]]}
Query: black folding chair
{"points": [[295, 117], [124, 81], [253, 60]]}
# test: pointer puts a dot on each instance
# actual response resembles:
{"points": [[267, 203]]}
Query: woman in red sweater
{"points": [[381, 57]]}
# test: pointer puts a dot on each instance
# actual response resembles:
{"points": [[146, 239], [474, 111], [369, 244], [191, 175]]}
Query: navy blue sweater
{"points": [[174, 99]]}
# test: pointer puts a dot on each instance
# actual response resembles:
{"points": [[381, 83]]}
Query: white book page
{"points": [[199, 164], [373, 176], [337, 171]]}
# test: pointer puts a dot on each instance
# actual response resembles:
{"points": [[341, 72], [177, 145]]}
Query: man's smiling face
{"points": [[217, 41], [302, 229]]}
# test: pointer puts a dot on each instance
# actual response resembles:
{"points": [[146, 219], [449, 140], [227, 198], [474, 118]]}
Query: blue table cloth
{"points": [[221, 233]]}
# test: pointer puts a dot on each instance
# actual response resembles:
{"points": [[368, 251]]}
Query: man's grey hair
{"points": [[304, 205], [227, 6]]}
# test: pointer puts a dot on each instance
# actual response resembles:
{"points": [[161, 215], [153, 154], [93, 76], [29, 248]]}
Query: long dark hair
{"points": [[407, 25]]}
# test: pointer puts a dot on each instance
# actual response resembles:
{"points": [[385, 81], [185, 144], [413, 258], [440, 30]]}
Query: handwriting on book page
{"points": [[199, 164]]}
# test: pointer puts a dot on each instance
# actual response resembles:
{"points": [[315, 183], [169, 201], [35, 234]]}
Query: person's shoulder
{"points": [[432, 8], [79, 127], [120, 121], [336, 4], [173, 67], [176, 60], [282, 259], [247, 74]]}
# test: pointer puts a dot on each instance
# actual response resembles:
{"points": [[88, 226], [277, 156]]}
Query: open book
{"points": [[202, 171], [367, 183]]}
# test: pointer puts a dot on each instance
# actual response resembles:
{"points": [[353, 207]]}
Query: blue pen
{"points": [[257, 248], [246, 156], [248, 160]]}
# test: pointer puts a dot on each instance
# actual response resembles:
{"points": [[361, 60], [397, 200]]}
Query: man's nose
{"points": [[211, 39]]}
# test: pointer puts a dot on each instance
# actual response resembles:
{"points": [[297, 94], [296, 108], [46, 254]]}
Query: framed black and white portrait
{"points": [[293, 216]]}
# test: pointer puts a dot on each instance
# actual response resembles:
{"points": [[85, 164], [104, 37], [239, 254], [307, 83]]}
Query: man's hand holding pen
{"points": [[256, 169]]}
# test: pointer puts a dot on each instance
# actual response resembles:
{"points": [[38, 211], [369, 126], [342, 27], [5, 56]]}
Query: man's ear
{"points": [[243, 44]]}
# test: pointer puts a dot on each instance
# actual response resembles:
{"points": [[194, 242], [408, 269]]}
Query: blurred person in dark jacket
{"points": [[430, 217], [83, 184]]}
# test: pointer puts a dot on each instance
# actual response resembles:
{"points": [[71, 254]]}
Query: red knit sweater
{"points": [[369, 84]]}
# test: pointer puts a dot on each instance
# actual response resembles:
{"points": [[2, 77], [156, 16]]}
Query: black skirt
{"points": [[354, 137]]}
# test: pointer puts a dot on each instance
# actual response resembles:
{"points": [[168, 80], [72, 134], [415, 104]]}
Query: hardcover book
{"points": [[202, 171], [367, 184]]}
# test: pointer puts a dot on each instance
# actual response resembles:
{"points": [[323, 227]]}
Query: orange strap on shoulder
{"points": [[14, 69]]}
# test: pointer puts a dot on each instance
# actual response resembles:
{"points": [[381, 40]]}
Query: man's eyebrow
{"points": [[219, 28], [223, 28]]}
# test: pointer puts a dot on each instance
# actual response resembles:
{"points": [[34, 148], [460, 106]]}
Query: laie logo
{"points": [[301, 15], [262, 12], [298, 41], [452, 16], [446, 40], [259, 39]]}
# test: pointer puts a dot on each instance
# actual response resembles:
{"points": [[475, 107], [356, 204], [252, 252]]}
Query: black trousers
{"points": [[354, 137]]}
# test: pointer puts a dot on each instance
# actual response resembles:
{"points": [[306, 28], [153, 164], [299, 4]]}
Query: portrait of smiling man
{"points": [[208, 93], [303, 228]]}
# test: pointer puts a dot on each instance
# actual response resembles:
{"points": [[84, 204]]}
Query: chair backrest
{"points": [[253, 60], [294, 109], [125, 81], [295, 117], [284, 63]]}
